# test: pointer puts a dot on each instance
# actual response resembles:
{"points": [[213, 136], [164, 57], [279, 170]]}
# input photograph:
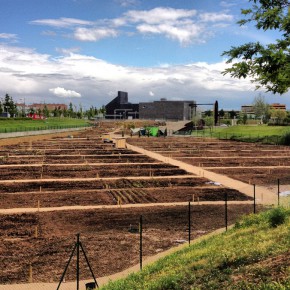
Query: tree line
{"points": [[8, 105]]}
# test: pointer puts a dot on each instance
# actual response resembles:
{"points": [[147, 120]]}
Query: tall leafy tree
{"points": [[9, 106], [261, 108], [268, 65], [45, 111]]}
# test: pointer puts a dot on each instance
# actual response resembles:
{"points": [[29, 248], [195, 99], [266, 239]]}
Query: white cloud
{"points": [[184, 34], [8, 36], [37, 77], [216, 17], [183, 25], [62, 22], [94, 34], [128, 3], [63, 93], [159, 15], [68, 50]]}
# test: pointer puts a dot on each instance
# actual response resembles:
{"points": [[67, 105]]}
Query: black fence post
{"points": [[78, 261], [226, 210], [66, 267], [189, 222], [254, 198], [141, 249], [278, 192]]}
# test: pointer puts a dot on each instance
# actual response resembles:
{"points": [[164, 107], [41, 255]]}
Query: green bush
{"points": [[285, 140], [277, 217]]}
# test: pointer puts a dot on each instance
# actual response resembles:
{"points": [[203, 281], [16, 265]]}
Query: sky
{"points": [[85, 51]]}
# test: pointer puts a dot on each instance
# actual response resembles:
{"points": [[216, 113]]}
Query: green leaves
{"points": [[268, 66]]}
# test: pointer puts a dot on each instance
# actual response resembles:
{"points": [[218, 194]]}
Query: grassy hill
{"points": [[255, 254]]}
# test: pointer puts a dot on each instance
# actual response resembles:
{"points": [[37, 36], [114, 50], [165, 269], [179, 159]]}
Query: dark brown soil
{"points": [[247, 162], [105, 236]]}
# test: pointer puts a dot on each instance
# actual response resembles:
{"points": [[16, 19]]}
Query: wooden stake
{"points": [[36, 232], [38, 205], [30, 280]]}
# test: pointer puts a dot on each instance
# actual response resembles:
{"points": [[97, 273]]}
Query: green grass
{"points": [[252, 255], [248, 133], [27, 124]]}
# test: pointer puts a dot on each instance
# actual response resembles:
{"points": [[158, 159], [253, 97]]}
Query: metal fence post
{"points": [[78, 261], [226, 210], [189, 222], [141, 249], [278, 192], [254, 198]]}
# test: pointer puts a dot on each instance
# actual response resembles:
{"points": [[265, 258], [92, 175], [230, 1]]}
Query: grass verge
{"points": [[253, 255], [249, 133], [27, 124]]}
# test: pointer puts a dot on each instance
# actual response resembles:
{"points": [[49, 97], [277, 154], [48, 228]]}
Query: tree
{"points": [[243, 119], [232, 114], [208, 113], [209, 122], [278, 116], [9, 106], [268, 65], [221, 113], [261, 108], [70, 110], [45, 111]]}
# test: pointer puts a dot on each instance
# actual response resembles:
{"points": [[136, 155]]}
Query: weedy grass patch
{"points": [[232, 260]]}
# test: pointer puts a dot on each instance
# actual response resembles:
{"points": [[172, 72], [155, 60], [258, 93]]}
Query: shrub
{"points": [[277, 217], [285, 140]]}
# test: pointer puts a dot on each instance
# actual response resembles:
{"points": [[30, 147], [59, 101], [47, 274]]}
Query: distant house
{"points": [[277, 106], [50, 107], [249, 110]]}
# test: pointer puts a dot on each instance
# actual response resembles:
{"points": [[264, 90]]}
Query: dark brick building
{"points": [[167, 110], [120, 108]]}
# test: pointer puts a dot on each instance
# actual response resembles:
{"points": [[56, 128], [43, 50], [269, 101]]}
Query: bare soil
{"points": [[80, 169], [252, 163], [105, 235]]}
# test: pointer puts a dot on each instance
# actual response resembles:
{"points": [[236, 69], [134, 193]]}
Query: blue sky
{"points": [[84, 51]]}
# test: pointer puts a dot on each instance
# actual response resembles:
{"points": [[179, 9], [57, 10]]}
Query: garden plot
{"points": [[66, 172], [112, 192], [43, 242], [88, 170], [251, 163]]}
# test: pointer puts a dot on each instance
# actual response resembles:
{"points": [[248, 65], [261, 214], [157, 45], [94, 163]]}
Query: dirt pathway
{"points": [[87, 207], [264, 195]]}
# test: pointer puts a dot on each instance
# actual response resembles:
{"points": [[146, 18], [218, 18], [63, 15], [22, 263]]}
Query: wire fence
{"points": [[41, 247]]}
